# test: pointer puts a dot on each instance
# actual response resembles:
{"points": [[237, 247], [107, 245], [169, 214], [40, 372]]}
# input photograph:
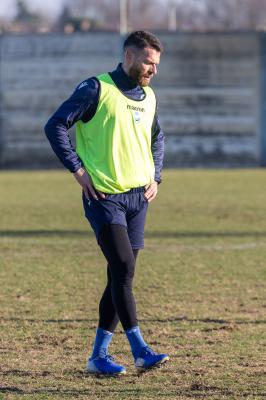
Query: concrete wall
{"points": [[208, 90], [37, 74]]}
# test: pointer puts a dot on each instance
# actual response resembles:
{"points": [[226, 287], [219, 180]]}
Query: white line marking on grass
{"points": [[224, 247]]}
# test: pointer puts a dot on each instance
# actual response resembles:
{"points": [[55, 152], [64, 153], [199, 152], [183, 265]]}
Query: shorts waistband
{"points": [[133, 190], [136, 190]]}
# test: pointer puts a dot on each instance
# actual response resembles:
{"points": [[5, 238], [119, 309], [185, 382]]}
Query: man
{"points": [[117, 162]]}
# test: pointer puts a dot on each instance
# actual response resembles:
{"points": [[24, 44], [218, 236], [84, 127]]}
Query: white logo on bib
{"points": [[137, 117]]}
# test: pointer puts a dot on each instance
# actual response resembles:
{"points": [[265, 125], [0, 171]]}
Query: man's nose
{"points": [[154, 69]]}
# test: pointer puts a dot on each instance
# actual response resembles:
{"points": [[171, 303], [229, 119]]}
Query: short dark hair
{"points": [[142, 39]]}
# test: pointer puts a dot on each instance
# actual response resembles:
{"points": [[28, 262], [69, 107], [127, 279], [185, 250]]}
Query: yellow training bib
{"points": [[115, 145]]}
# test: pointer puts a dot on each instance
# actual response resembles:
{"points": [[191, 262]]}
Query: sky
{"points": [[47, 7]]}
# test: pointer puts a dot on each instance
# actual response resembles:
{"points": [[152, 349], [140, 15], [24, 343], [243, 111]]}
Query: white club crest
{"points": [[137, 117]]}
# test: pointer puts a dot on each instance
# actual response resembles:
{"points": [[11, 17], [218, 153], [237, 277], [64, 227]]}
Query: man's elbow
{"points": [[46, 127], [49, 128]]}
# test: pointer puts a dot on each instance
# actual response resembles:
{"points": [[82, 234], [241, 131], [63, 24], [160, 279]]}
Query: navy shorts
{"points": [[128, 209]]}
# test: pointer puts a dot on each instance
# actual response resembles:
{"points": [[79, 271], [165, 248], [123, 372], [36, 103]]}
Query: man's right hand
{"points": [[85, 181]]}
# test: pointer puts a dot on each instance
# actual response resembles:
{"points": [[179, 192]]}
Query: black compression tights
{"points": [[117, 302]]}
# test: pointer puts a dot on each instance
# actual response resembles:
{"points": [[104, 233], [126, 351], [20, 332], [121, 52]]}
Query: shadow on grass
{"points": [[157, 234], [44, 233], [155, 320], [195, 391]]}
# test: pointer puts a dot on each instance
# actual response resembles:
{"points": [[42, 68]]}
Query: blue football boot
{"points": [[147, 359], [104, 365]]}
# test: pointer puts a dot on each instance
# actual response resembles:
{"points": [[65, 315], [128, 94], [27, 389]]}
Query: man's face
{"points": [[142, 64]]}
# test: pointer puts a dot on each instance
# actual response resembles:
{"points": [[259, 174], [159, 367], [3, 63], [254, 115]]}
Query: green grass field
{"points": [[200, 289]]}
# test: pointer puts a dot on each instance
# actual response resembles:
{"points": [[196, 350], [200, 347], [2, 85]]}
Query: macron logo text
{"points": [[140, 109]]}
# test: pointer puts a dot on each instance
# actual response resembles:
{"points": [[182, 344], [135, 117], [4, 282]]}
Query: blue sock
{"points": [[135, 339], [102, 340]]}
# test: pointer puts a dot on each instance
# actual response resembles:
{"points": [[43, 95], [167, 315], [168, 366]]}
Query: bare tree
{"points": [[189, 15], [148, 14], [234, 14], [142, 14], [103, 11]]}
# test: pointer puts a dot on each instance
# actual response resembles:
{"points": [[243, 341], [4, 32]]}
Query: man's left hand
{"points": [[151, 191]]}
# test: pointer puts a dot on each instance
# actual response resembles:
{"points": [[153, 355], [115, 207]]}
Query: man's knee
{"points": [[124, 268]]}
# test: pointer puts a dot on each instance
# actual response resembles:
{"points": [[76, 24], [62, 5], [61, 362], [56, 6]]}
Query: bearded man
{"points": [[117, 162]]}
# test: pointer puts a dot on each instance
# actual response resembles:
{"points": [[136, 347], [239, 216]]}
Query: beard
{"points": [[137, 75]]}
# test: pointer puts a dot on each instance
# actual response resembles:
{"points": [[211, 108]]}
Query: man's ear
{"points": [[129, 55]]}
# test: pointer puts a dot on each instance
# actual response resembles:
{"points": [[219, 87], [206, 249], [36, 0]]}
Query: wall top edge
{"points": [[159, 33]]}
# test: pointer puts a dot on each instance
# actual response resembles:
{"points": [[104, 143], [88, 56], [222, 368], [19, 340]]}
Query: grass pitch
{"points": [[200, 289]]}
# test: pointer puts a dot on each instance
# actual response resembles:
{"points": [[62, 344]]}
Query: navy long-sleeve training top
{"points": [[82, 105]]}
